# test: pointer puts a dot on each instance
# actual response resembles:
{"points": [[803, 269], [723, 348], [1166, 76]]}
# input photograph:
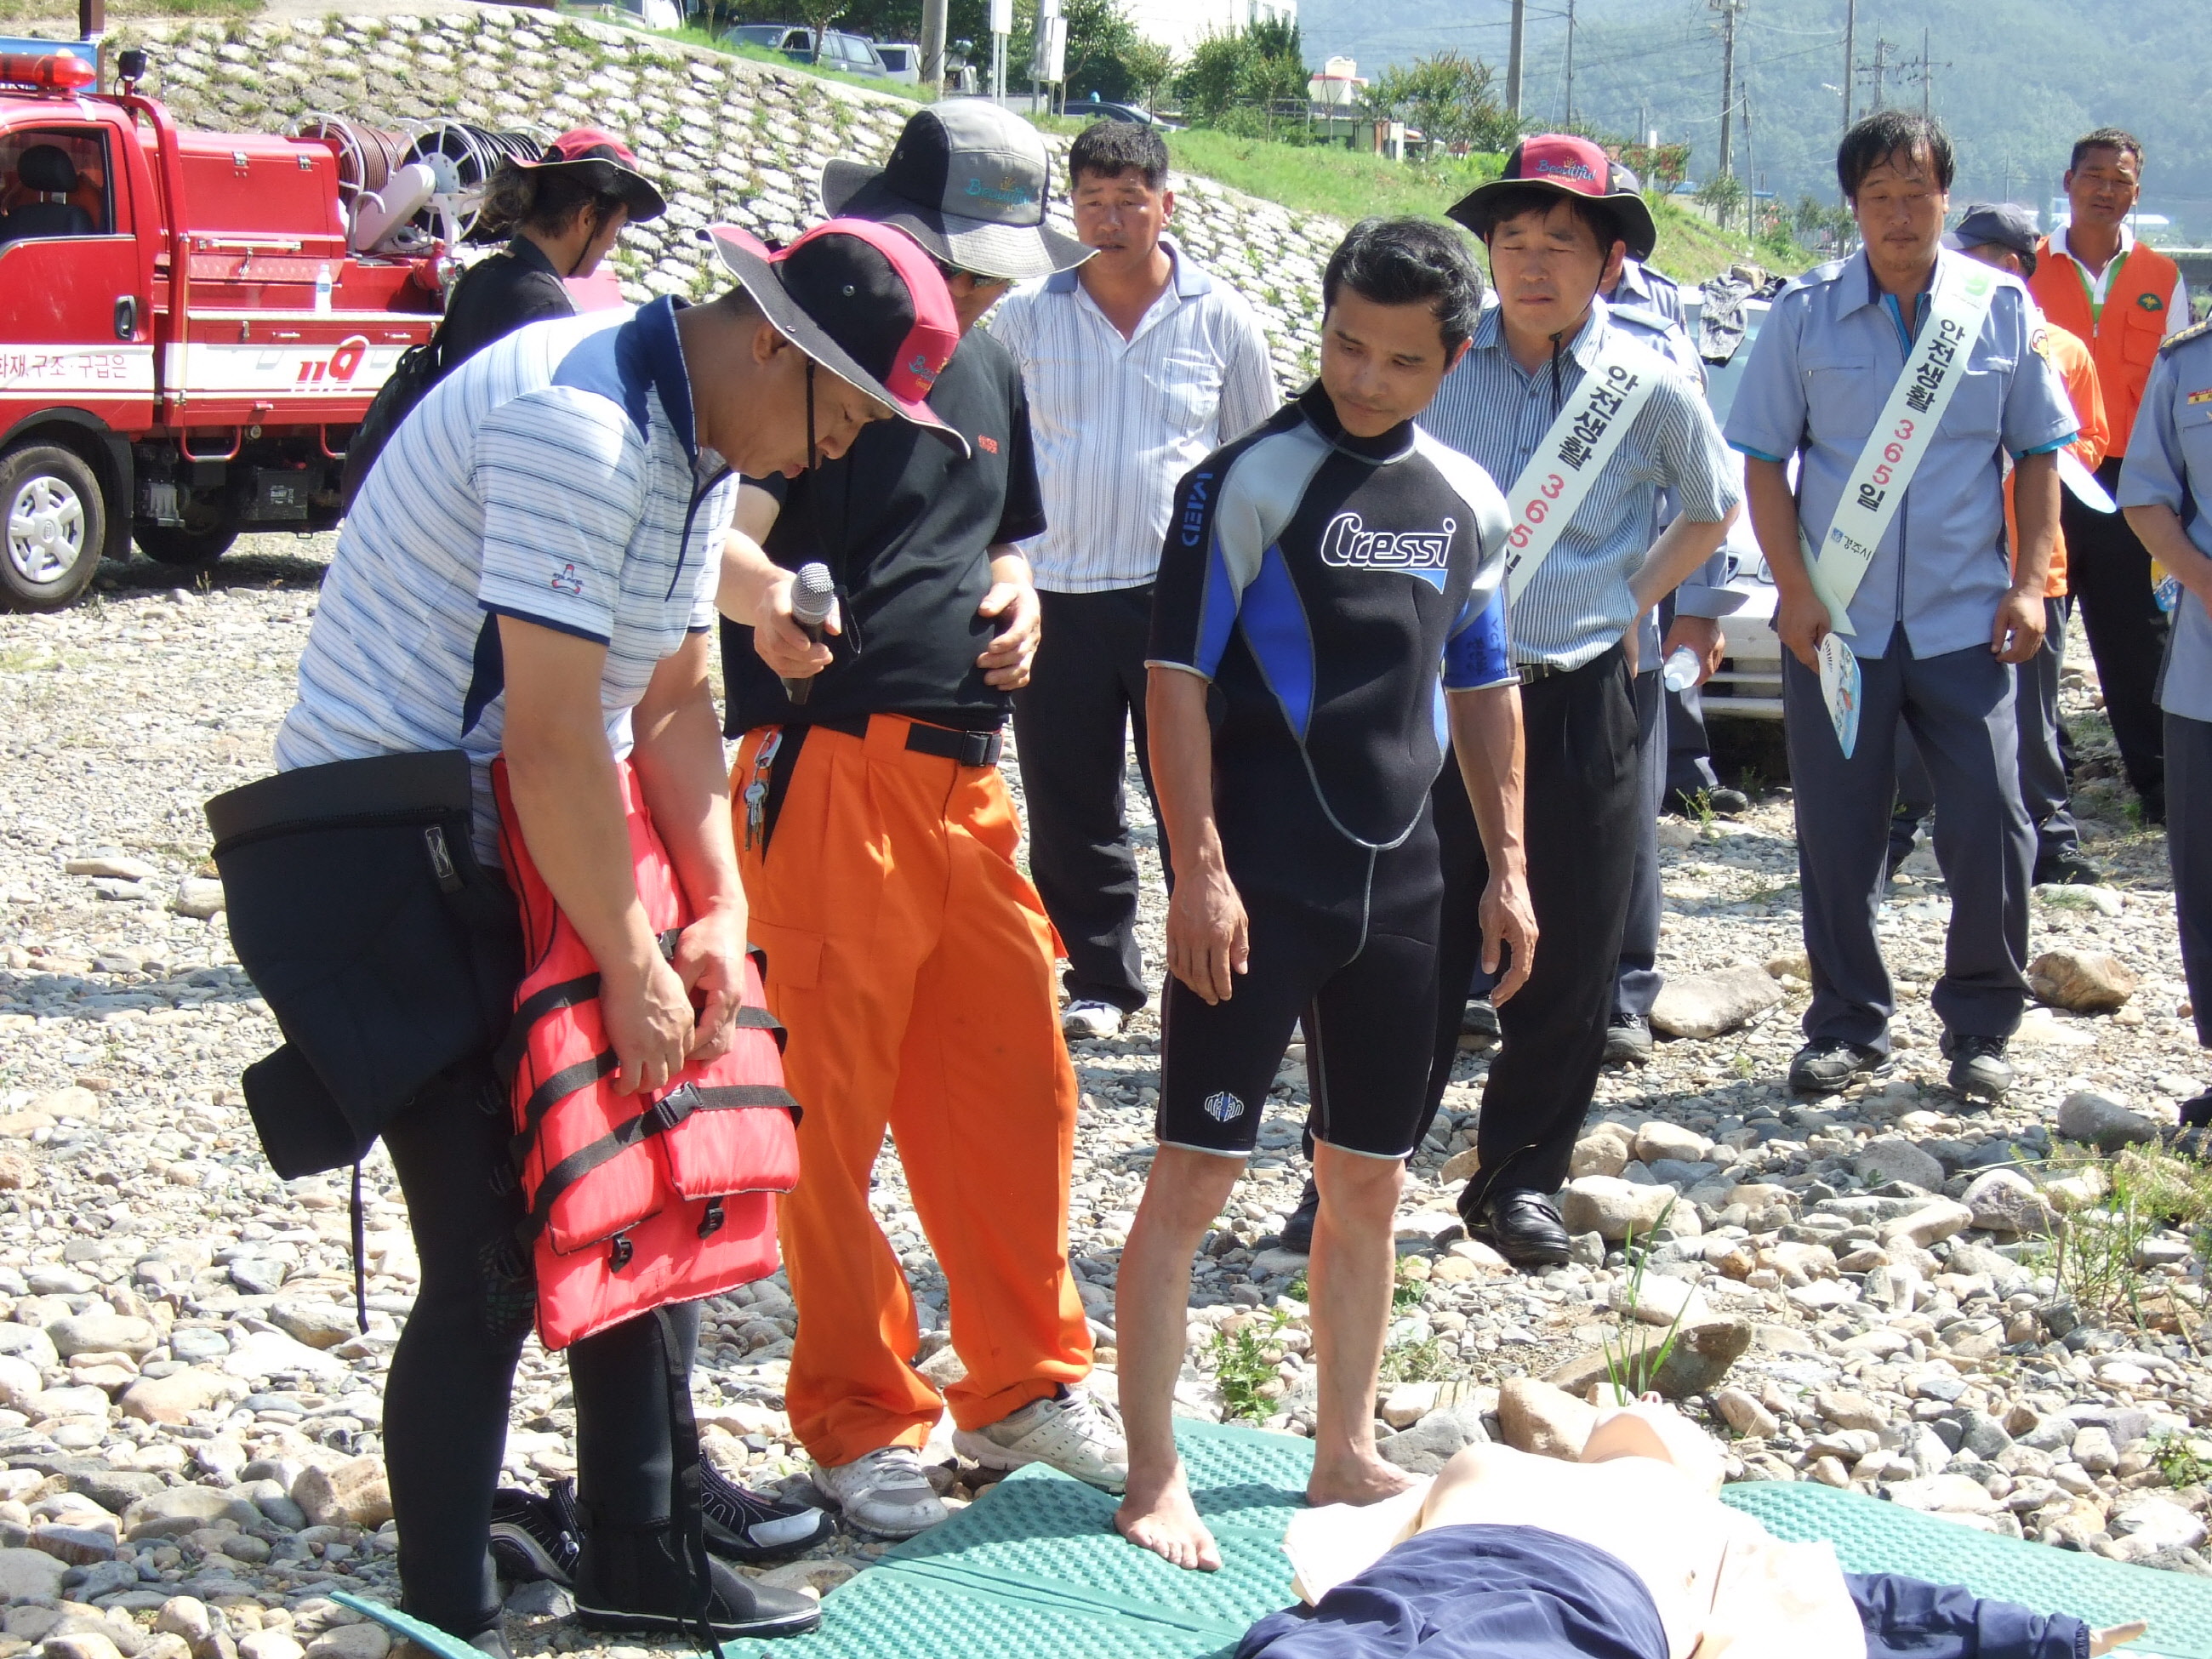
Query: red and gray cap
{"points": [[862, 300], [968, 180], [606, 163], [1571, 166]]}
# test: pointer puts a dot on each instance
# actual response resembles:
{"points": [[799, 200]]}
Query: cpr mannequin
{"points": [[1645, 1494]]}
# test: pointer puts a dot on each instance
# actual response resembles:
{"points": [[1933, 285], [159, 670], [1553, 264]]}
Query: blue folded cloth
{"points": [[1911, 1618]]}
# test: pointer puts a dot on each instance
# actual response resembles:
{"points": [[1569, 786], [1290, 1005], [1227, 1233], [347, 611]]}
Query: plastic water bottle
{"points": [[1682, 669], [323, 287]]}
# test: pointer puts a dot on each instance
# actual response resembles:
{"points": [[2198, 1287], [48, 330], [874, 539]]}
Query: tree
{"points": [[1723, 196], [1234, 80], [1451, 98], [1151, 66]]}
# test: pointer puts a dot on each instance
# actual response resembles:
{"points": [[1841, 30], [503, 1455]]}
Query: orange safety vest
{"points": [[2125, 335], [2064, 351], [635, 1201]]}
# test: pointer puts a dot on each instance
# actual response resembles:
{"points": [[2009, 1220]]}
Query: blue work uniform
{"points": [[2169, 464], [1640, 305], [1585, 793], [1820, 374]]}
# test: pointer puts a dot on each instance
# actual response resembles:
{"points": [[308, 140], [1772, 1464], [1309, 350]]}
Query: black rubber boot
{"points": [[645, 1578]]}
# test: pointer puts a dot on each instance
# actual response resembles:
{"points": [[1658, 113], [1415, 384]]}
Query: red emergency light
{"points": [[58, 72]]}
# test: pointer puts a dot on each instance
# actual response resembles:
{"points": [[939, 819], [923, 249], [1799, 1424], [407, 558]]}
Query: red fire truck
{"points": [[186, 338]]}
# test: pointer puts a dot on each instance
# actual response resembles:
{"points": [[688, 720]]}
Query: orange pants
{"points": [[912, 964]]}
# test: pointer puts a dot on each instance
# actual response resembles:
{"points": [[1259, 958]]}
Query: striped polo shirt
{"points": [[553, 478], [1490, 408], [1117, 423]]}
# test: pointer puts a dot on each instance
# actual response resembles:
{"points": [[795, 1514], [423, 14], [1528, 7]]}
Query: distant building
{"points": [[1182, 24]]}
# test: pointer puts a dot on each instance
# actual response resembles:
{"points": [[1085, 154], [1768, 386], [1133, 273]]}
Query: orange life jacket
{"points": [[2124, 334], [635, 1201]]}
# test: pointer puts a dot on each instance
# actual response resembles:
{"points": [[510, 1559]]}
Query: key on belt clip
{"points": [[756, 791]]}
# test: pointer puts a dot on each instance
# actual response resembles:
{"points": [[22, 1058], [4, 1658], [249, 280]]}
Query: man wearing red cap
{"points": [[1589, 423], [533, 576]]}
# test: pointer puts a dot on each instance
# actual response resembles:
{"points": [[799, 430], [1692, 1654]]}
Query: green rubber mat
{"points": [[1034, 1570], [1873, 1536]]}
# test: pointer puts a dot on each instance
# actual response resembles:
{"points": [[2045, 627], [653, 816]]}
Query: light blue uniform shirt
{"points": [[2169, 464], [1820, 373], [1490, 408]]}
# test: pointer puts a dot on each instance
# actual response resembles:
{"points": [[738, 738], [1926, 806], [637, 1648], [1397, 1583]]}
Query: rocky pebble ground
{"points": [[1995, 1315]]}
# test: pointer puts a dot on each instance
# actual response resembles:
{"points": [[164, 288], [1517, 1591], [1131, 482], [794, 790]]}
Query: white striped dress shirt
{"points": [[553, 477], [1117, 423], [1578, 602]]}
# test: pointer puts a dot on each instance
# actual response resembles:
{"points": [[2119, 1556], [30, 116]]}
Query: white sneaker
{"points": [[1086, 1019], [1075, 1432], [884, 1493]]}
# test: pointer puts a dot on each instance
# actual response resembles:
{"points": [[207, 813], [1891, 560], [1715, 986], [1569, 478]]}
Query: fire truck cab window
{"points": [[54, 183]]}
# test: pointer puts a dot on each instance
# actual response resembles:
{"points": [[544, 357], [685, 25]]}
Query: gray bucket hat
{"points": [[968, 180]]}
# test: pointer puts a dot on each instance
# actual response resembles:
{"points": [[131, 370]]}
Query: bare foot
{"points": [[1350, 1479], [1162, 1519]]}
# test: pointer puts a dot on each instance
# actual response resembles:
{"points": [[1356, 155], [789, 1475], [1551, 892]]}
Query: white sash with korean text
{"points": [[1582, 440], [1876, 489]]}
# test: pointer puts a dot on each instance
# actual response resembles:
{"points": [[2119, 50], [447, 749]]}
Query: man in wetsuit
{"points": [[1315, 573]]}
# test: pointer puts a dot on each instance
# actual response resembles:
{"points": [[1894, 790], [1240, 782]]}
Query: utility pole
{"points": [[1923, 71], [1750, 168], [1513, 58], [1879, 69], [933, 45], [1729, 10], [1851, 55], [1571, 62]]}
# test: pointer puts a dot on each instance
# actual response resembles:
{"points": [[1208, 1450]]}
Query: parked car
{"points": [[1095, 108], [667, 15], [902, 60], [850, 54]]}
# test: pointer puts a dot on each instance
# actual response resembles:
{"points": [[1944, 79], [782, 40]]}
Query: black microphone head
{"points": [[812, 594]]}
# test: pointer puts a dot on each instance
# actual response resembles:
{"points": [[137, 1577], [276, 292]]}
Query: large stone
{"points": [[29, 1343], [1699, 1358], [1599, 1155], [1660, 1299], [1893, 1158], [1613, 1208], [1952, 1494], [1707, 1004], [1655, 1140], [317, 1324], [68, 1401], [366, 1640], [176, 1510], [186, 1616], [19, 1380], [1928, 1224], [172, 1398], [270, 1644], [198, 898], [2081, 982], [353, 1494], [2099, 1121], [2004, 1200], [271, 1353], [1536, 1417], [1745, 1414], [1408, 1403], [80, 1644], [2157, 1524], [26, 1573], [103, 1333], [1431, 1443], [80, 1545]]}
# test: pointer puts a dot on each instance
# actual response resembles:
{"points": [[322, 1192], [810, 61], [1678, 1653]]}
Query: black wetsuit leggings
{"points": [[445, 1402]]}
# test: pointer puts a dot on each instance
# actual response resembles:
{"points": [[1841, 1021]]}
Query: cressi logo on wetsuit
{"points": [[1347, 543]]}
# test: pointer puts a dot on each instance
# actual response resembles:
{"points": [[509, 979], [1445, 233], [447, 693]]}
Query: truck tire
{"points": [[54, 523], [208, 528]]}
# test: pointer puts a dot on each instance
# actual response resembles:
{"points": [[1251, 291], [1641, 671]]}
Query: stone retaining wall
{"points": [[729, 139]]}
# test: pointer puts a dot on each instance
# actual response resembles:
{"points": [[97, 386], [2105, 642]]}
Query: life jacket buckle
{"points": [[619, 1251], [672, 1108], [711, 1223]]}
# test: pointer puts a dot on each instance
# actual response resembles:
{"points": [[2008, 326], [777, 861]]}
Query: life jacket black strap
{"points": [[555, 1090], [664, 1115], [546, 1000]]}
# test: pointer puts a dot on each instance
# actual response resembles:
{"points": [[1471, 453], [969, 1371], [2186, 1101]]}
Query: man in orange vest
{"points": [[2095, 279]]}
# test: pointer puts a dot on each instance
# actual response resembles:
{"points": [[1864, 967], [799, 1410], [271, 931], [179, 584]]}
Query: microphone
{"points": [[813, 596]]}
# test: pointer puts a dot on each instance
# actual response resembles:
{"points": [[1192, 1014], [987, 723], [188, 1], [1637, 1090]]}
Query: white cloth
{"points": [[1117, 423]]}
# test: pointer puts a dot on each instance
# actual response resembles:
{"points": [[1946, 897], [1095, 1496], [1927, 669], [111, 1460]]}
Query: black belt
{"points": [[1530, 673], [964, 748]]}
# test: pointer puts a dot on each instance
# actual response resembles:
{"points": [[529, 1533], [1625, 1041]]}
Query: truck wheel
{"points": [[208, 528], [55, 523]]}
